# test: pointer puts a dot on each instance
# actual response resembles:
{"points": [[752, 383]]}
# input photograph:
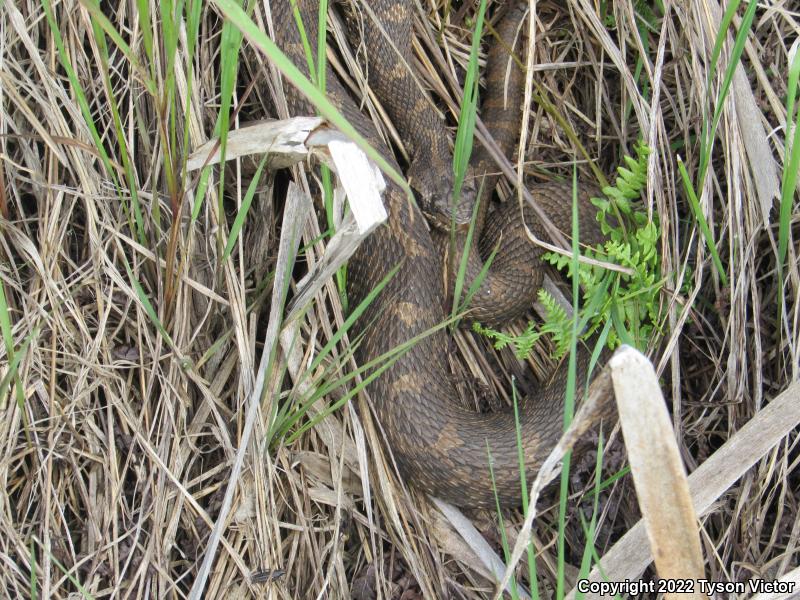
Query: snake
{"points": [[439, 446]]}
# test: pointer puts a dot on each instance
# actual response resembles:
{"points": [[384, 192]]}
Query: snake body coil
{"points": [[439, 447]]}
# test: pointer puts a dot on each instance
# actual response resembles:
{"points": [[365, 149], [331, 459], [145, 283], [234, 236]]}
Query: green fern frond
{"points": [[632, 243]]}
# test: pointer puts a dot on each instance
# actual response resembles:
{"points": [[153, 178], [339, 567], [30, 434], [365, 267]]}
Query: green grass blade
{"points": [[130, 176], [97, 14], [172, 161], [589, 532], [241, 215], [791, 161], [736, 54], [259, 39], [67, 573], [15, 359], [531, 551], [230, 44], [705, 139], [309, 54], [569, 392], [726, 21], [286, 424], [476, 284], [468, 110], [385, 360], [146, 304], [353, 317], [14, 356], [458, 286], [33, 581], [500, 525], [193, 10], [694, 204], [77, 89], [322, 46], [318, 72]]}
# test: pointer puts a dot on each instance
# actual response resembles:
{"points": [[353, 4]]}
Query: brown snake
{"points": [[440, 447]]}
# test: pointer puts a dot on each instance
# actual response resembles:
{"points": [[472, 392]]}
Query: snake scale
{"points": [[440, 447]]}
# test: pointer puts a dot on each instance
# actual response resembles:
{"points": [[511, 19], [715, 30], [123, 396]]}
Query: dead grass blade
{"points": [[792, 581], [283, 140], [594, 406], [298, 209], [477, 544], [628, 558], [658, 472]]}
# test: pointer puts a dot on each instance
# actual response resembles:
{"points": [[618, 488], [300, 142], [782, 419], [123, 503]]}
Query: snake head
{"points": [[441, 209]]}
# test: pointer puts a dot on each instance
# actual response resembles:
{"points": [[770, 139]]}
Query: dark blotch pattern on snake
{"points": [[440, 447]]}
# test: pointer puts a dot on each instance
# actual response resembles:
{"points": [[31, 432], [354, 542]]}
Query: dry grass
{"points": [[131, 353]]}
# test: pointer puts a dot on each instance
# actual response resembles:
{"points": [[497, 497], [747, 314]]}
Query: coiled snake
{"points": [[440, 447]]}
